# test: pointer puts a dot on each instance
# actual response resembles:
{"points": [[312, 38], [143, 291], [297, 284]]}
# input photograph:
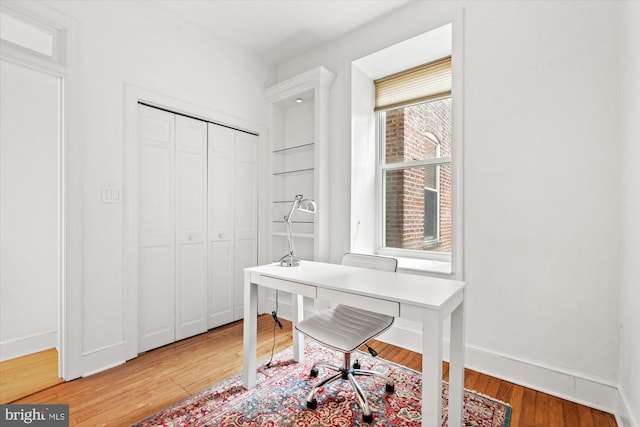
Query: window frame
{"points": [[441, 35], [381, 168]]}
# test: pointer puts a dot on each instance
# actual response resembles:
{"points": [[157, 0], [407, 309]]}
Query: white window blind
{"points": [[423, 83]]}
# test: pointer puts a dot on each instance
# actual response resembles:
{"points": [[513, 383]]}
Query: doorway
{"points": [[30, 215]]}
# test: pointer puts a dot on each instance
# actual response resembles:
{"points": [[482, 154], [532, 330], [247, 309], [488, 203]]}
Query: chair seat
{"points": [[345, 328]]}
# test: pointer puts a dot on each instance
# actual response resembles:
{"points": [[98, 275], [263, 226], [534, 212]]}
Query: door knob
{"points": [[221, 235]]}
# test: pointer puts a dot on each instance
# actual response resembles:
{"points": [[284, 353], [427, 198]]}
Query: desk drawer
{"points": [[287, 286], [376, 305]]}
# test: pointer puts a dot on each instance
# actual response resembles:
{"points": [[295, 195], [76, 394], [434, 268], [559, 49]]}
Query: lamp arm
{"points": [[288, 219], [290, 238]]}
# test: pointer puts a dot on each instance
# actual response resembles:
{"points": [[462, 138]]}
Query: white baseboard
{"points": [[573, 386], [17, 347], [101, 359], [624, 416], [592, 392]]}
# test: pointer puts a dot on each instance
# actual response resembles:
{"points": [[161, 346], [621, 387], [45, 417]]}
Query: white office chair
{"points": [[344, 329]]}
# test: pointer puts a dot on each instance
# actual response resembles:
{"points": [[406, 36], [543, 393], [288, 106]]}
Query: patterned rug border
{"points": [[263, 362]]}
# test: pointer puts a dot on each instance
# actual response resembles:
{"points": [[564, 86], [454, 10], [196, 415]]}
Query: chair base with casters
{"points": [[348, 372], [344, 329]]}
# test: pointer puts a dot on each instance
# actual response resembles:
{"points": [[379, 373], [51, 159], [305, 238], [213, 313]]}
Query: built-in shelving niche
{"points": [[298, 143]]}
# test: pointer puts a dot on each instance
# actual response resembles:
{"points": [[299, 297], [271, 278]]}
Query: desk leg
{"points": [[250, 327], [456, 366], [431, 369], [297, 307]]}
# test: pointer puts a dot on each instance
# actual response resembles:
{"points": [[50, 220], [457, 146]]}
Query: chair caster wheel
{"points": [[314, 372], [356, 365], [389, 388], [312, 404], [367, 418]]}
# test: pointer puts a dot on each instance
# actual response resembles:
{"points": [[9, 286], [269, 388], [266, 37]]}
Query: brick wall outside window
{"points": [[406, 140]]}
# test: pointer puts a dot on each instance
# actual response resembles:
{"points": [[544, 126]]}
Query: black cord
{"points": [[372, 351], [276, 322]]}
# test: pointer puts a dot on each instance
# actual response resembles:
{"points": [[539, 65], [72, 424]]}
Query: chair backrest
{"points": [[370, 261]]}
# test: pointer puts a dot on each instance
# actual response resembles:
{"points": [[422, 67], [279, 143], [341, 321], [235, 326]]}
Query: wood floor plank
{"points": [[504, 391], [482, 383], [528, 412], [493, 385], [556, 414], [542, 409], [570, 412], [28, 374], [600, 419], [162, 377], [585, 416], [445, 371], [516, 402], [470, 379]]}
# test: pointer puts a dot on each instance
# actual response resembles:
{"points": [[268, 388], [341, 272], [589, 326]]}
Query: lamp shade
{"points": [[307, 205]]}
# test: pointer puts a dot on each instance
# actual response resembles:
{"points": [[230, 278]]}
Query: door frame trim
{"points": [[71, 220]]}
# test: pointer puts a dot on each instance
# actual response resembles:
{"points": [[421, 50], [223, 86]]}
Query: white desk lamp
{"points": [[300, 204]]}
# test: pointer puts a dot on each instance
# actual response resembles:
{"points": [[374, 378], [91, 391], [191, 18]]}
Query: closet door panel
{"points": [[156, 176], [246, 181], [246, 256], [221, 170], [156, 252], [156, 297], [191, 226], [220, 298], [246, 218], [190, 304], [221, 224]]}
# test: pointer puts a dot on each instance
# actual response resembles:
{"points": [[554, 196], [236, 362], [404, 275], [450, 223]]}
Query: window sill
{"points": [[423, 266]]}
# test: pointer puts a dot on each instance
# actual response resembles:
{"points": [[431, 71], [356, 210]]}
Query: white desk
{"points": [[424, 299]]}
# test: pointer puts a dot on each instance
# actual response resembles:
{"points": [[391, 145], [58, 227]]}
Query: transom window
{"points": [[21, 35]]}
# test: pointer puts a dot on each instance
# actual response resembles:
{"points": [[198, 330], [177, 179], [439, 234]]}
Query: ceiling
{"points": [[276, 31]]}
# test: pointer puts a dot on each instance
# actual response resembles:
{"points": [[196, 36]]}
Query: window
{"points": [[414, 161], [26, 37]]}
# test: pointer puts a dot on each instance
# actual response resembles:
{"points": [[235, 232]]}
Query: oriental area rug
{"points": [[279, 399]]}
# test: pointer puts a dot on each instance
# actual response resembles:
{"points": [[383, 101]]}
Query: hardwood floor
{"points": [[161, 377], [529, 407], [25, 375]]}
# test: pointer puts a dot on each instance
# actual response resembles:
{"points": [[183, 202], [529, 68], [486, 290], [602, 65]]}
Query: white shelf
{"points": [[294, 150], [291, 172]]}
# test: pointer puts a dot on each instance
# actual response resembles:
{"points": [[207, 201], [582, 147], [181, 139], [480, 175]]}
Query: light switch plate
{"points": [[111, 195]]}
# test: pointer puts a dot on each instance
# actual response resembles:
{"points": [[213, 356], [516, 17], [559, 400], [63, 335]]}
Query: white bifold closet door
{"points": [[172, 207], [246, 212], [233, 219]]}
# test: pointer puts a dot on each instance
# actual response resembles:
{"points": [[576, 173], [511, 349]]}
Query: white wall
{"points": [[139, 44], [542, 200], [630, 295], [542, 183], [29, 212]]}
